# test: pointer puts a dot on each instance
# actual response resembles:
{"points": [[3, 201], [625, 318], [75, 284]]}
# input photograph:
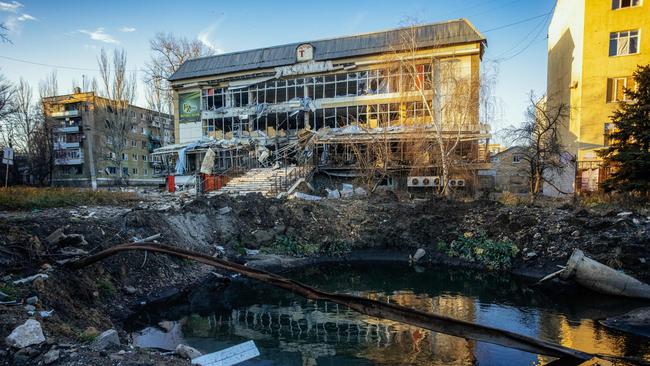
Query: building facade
{"points": [[332, 102], [594, 46], [81, 156]]}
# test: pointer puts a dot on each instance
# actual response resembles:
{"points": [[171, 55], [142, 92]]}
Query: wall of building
{"points": [[579, 66], [151, 130]]}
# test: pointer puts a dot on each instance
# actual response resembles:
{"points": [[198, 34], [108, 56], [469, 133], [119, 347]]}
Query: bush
{"points": [[478, 248], [21, 198], [106, 288], [285, 245], [335, 248], [511, 199]]}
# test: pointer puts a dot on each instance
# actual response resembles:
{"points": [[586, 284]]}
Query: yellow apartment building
{"points": [[594, 46]]}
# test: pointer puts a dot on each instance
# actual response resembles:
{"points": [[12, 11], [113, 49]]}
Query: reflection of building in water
{"points": [[318, 329], [584, 335]]}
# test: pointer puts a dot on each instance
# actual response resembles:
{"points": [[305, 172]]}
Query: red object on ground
{"points": [[171, 184]]}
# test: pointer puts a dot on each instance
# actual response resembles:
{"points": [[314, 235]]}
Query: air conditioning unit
{"points": [[460, 182], [423, 181], [452, 182]]}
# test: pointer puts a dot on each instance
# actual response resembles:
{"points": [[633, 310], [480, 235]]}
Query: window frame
{"points": [[629, 37], [617, 4]]}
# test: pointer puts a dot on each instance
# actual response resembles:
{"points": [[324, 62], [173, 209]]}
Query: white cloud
{"points": [[204, 37], [127, 29], [25, 17], [99, 35], [12, 6]]}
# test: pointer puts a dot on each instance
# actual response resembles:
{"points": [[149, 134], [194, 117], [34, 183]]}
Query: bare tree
{"points": [[168, 52], [25, 122], [118, 94], [539, 137], [7, 108], [4, 33], [448, 93]]}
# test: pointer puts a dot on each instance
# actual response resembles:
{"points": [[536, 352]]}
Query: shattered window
{"points": [[623, 43]]}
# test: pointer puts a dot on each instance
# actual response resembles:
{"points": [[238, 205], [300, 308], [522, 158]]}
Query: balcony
{"points": [[65, 145], [69, 157], [70, 113], [67, 129]]}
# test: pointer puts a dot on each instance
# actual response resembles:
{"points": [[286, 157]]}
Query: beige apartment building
{"points": [[81, 137]]}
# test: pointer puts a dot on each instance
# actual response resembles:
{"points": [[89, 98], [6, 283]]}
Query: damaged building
{"points": [[397, 107]]}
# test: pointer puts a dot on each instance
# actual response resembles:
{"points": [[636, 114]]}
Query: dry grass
{"points": [[26, 198]]}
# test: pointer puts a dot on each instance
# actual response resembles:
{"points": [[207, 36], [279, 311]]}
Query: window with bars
{"points": [[624, 43]]}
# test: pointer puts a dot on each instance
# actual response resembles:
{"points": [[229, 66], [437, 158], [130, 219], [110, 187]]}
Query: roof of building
{"points": [[427, 35]]}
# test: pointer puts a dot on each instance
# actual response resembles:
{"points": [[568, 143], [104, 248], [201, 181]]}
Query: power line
{"points": [[56, 66], [516, 23]]}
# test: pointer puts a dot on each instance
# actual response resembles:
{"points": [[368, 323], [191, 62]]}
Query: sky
{"points": [[67, 36]]}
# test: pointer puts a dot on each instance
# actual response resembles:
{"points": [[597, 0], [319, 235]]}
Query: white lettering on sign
{"points": [[305, 52], [304, 68]]}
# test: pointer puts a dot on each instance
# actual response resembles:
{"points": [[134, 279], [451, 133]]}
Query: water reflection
{"points": [[290, 330]]}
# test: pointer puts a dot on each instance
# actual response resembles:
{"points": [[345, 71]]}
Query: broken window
{"points": [[623, 43], [212, 99]]}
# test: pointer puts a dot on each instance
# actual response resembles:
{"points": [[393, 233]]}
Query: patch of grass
{"points": [[27, 198], [86, 338], [335, 248], [479, 248], [239, 248], [9, 290], [106, 288], [285, 245]]}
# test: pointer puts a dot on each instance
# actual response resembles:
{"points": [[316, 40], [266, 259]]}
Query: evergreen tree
{"points": [[628, 155]]}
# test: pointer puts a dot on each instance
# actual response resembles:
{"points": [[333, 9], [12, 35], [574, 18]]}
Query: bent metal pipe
{"points": [[378, 309]]}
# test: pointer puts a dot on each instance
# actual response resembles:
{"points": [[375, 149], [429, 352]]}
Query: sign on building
{"points": [[189, 107], [304, 52]]}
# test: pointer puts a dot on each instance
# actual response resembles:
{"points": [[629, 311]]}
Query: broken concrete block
{"points": [[187, 352], [56, 236], [25, 335], [51, 356], [107, 339], [225, 210], [264, 236]]}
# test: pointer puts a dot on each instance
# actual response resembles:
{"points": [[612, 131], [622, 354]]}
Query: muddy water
{"points": [[290, 330]]}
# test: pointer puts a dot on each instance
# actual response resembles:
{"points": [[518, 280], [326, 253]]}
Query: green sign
{"points": [[190, 107]]}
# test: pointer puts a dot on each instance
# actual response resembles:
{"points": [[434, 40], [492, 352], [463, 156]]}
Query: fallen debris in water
{"points": [[600, 278], [636, 321]]}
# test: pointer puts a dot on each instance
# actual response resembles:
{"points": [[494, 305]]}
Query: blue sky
{"points": [[70, 34]]}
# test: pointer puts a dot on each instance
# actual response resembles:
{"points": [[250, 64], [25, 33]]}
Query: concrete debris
{"points": [[51, 356], [72, 252], [30, 333], [417, 256], [130, 290], [252, 252], [187, 352], [347, 190], [46, 313], [106, 339], [360, 192], [225, 210], [306, 197], [333, 194], [624, 214], [56, 236], [30, 279], [603, 279], [32, 300], [30, 308]]}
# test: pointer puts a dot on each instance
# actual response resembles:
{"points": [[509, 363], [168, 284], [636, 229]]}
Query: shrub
{"points": [[481, 249], [285, 245], [10, 291], [106, 287], [335, 248]]}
